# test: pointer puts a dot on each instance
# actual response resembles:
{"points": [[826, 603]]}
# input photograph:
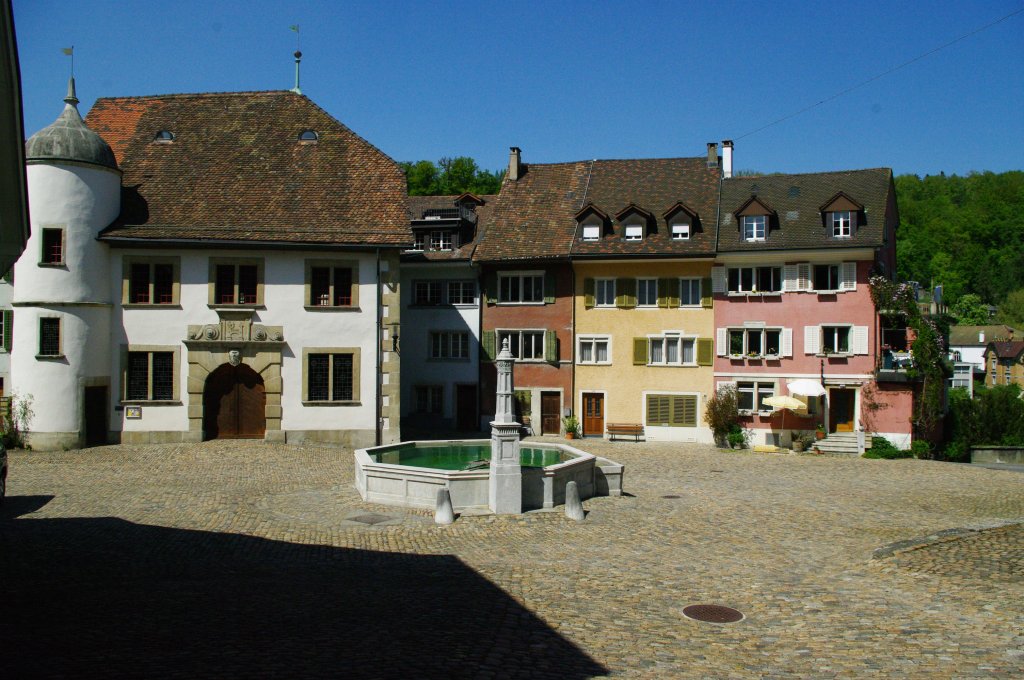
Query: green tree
{"points": [[450, 176], [1011, 311], [969, 310]]}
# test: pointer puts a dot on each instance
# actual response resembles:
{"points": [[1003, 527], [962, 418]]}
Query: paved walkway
{"points": [[249, 559]]}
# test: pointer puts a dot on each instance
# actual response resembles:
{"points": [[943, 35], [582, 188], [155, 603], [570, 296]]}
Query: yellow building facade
{"points": [[644, 346]]}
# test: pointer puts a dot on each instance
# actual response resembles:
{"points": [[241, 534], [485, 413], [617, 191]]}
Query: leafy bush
{"points": [[995, 416], [737, 438], [15, 421], [921, 449], [883, 448], [722, 414]]}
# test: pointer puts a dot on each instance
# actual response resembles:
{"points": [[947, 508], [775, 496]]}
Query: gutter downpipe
{"points": [[378, 432], [572, 310]]}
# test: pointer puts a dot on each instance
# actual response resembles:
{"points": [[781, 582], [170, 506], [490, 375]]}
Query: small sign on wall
{"points": [[132, 412]]}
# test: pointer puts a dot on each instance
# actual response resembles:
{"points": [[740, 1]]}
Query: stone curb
{"points": [[942, 536]]}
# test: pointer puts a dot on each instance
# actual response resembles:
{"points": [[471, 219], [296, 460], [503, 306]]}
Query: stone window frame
{"points": [[356, 394], [664, 339], [522, 276], [126, 276], [446, 339], [236, 262], [63, 262], [593, 340], [432, 388], [175, 350], [307, 292], [60, 338]]}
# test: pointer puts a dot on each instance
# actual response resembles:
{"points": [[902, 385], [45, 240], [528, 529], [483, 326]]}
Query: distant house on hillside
{"points": [[1005, 363]]}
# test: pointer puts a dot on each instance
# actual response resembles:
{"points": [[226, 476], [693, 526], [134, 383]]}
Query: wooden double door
{"points": [[234, 404]]}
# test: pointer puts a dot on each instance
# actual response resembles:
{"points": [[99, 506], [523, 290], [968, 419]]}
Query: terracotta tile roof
{"points": [[1010, 349], [968, 335], [236, 171], [535, 217], [797, 201], [652, 185], [532, 217]]}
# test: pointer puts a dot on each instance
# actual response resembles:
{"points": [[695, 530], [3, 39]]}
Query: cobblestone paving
{"points": [[249, 559]]}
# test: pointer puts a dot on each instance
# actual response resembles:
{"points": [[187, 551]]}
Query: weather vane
{"points": [[70, 51], [298, 58]]}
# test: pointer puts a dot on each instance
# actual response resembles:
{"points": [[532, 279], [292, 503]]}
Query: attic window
{"points": [[634, 232], [308, 137], [680, 231], [164, 137], [591, 232]]}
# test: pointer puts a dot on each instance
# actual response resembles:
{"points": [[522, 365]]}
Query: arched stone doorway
{"points": [[234, 403]]}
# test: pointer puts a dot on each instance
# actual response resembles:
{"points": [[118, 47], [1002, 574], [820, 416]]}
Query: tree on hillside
{"points": [[450, 176], [969, 310], [1011, 311]]}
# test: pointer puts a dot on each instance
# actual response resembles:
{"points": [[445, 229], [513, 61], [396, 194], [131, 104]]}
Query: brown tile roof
{"points": [[1011, 349], [235, 171], [968, 335], [797, 199], [532, 217], [654, 185], [535, 217]]}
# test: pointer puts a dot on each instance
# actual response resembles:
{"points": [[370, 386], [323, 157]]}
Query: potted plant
{"points": [[819, 432], [796, 442], [572, 426]]}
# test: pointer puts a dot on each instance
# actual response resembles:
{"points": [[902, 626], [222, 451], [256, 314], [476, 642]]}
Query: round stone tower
{"points": [[60, 354]]}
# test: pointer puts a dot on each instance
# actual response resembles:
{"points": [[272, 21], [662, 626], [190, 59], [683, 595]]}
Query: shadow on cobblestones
{"points": [[109, 598]]}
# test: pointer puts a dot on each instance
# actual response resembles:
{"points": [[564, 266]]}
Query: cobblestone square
{"points": [[249, 559]]}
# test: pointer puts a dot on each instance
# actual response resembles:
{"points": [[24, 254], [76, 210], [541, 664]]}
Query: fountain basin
{"points": [[408, 474]]}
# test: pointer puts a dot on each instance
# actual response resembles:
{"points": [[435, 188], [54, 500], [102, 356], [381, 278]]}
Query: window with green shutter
{"points": [[7, 319], [589, 299], [705, 352], [639, 351], [549, 287], [551, 347], [672, 410], [707, 300], [487, 342], [626, 293]]}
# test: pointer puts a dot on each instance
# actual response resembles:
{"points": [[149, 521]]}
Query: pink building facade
{"points": [[792, 302]]}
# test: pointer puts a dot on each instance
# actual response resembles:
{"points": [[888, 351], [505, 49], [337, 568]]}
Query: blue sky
{"points": [[575, 80]]}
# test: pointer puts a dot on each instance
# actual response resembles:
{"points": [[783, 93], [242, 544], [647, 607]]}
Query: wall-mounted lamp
{"points": [[395, 346]]}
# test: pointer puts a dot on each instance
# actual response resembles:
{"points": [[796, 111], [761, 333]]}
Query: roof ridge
{"points": [[182, 95], [802, 174]]}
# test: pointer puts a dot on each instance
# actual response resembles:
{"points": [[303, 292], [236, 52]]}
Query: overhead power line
{"points": [[883, 74]]}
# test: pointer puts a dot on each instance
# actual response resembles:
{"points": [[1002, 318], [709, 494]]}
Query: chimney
{"points": [[712, 155], [727, 158], [514, 162], [981, 337]]}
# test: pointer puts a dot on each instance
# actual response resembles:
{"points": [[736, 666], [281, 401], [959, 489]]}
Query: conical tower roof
{"points": [[68, 139]]}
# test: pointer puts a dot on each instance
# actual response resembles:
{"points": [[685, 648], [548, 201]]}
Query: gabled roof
{"points": [[235, 171], [1010, 349], [844, 203], [631, 209], [798, 199], [591, 209], [968, 335], [678, 206], [754, 206]]}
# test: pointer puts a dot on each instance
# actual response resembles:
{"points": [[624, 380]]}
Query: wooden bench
{"points": [[625, 430]]}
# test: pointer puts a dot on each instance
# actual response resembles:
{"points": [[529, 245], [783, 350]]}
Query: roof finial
{"points": [[72, 98], [298, 58]]}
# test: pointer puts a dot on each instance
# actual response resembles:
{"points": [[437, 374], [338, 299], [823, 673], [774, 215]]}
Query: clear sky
{"points": [[575, 80]]}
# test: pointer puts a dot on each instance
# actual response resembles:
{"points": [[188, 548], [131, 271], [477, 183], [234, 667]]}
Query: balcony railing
{"points": [[893, 366], [459, 212]]}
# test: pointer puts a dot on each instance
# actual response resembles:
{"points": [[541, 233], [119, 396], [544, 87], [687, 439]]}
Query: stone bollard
{"points": [[573, 504], [443, 513]]}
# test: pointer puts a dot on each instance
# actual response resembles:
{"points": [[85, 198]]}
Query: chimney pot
{"points": [[514, 162], [727, 158], [981, 337], [712, 154]]}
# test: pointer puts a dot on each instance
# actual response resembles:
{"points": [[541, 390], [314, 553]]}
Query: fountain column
{"points": [[505, 492]]}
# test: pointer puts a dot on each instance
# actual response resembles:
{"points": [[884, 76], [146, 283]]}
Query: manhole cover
{"points": [[670, 496], [370, 519], [712, 613]]}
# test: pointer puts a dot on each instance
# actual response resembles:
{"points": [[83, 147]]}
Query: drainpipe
{"points": [[378, 382]]}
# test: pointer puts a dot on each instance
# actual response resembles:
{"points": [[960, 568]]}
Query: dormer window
{"points": [[420, 242], [842, 224], [163, 137], [591, 232], [754, 227], [308, 137], [634, 232], [441, 240], [680, 231]]}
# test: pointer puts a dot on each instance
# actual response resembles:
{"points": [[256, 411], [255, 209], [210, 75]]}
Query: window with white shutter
{"points": [[812, 339], [848, 276], [719, 280]]}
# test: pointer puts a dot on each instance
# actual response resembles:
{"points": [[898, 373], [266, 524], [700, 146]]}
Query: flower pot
{"points": [[820, 434], [570, 435]]}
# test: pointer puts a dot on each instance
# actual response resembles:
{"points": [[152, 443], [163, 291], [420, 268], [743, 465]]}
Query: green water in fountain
{"points": [[462, 456]]}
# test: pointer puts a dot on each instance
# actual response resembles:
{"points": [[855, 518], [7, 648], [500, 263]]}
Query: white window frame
{"points": [[592, 341], [838, 277], [604, 292], [640, 285], [428, 284], [842, 224], [746, 331], [849, 339], [462, 287], [448, 345], [680, 231], [419, 241], [516, 347], [591, 232], [633, 232], [442, 239], [753, 290], [688, 284], [522, 277], [758, 388], [755, 227], [665, 339]]}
